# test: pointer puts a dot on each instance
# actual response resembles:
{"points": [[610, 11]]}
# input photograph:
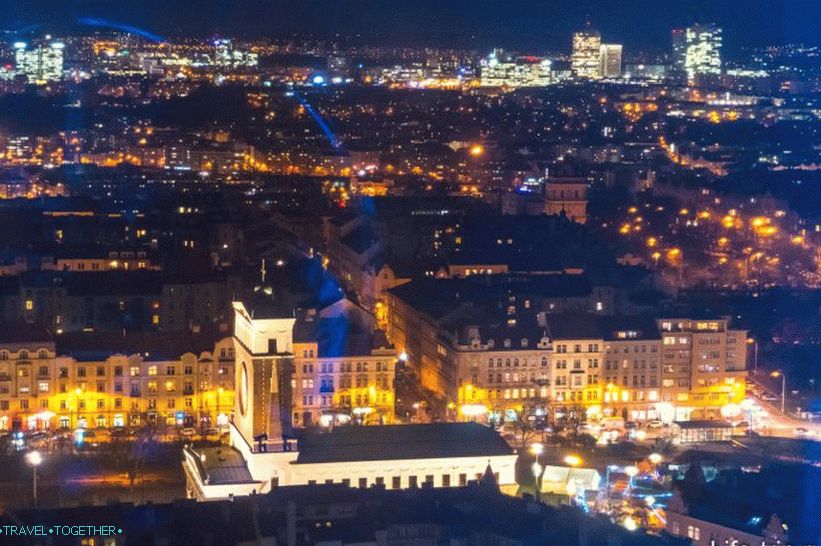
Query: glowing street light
{"points": [[573, 460], [783, 386], [655, 458], [537, 449], [35, 459]]}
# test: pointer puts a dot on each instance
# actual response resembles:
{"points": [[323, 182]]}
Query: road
{"points": [[781, 424]]}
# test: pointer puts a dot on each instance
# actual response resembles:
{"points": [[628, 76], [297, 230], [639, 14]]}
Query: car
{"points": [[769, 397], [800, 431], [655, 423], [188, 431], [630, 425], [210, 431]]}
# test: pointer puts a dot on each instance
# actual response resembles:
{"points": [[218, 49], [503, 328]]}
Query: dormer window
{"points": [[507, 343], [524, 342], [490, 343]]}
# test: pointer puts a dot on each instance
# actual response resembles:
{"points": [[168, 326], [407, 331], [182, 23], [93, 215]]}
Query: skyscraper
{"points": [[678, 44], [40, 65], [585, 59], [610, 61], [703, 56]]}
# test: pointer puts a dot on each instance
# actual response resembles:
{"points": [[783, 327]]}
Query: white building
{"points": [[585, 59], [496, 71], [260, 457], [39, 65], [225, 55], [610, 60]]}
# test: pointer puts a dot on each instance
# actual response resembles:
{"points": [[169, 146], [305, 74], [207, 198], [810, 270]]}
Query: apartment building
{"points": [[342, 370], [703, 366], [86, 381], [632, 368]]}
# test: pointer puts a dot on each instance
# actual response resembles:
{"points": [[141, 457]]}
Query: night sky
{"points": [[526, 24]]}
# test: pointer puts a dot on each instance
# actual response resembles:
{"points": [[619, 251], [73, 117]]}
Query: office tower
{"points": [[703, 57], [40, 65], [586, 51], [223, 52], [678, 44], [610, 61], [499, 70], [226, 56]]}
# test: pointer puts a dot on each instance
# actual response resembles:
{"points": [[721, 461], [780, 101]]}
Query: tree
{"points": [[525, 428]]}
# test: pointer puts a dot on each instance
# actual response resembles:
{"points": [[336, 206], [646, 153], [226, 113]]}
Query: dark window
{"points": [[363, 483], [445, 480], [397, 482]]}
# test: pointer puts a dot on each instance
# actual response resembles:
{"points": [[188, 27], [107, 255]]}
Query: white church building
{"points": [[259, 458]]}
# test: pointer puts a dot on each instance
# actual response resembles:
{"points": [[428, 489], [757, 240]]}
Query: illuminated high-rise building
{"points": [[610, 61], [226, 55], [585, 59], [678, 44], [703, 56], [39, 65]]}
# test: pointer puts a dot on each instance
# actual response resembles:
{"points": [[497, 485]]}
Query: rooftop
{"points": [[394, 442]]}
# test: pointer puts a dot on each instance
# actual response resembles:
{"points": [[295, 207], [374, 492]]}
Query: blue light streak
{"points": [[102, 23]]}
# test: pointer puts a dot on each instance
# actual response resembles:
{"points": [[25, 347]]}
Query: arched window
{"points": [[4, 355], [24, 355], [42, 353]]}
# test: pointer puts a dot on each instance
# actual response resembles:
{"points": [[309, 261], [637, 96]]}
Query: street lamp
{"points": [[654, 458], [573, 460], [34, 459], [754, 343], [219, 393], [783, 386]]}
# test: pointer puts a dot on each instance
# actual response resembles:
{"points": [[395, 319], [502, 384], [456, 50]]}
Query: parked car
{"points": [[188, 431], [769, 397], [655, 423]]}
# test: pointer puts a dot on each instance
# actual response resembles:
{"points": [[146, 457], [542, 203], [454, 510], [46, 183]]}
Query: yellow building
{"points": [[89, 381], [341, 372], [703, 366]]}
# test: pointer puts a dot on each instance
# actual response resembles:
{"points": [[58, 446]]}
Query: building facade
{"points": [[610, 60], [43, 387], [703, 366], [584, 60], [703, 57]]}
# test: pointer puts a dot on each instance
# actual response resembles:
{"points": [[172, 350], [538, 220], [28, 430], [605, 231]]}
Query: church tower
{"points": [[263, 348]]}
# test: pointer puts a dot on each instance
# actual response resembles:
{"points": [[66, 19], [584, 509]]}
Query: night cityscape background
{"points": [[362, 272]]}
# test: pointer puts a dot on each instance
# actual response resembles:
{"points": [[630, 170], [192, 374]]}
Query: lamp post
{"points": [[34, 459], [572, 461], [219, 393], [783, 387], [538, 469], [754, 343]]}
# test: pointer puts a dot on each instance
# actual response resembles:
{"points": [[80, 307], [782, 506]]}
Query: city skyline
{"points": [[528, 25]]}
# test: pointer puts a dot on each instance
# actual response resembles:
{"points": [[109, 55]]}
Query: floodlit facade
{"points": [[40, 65], [703, 57], [585, 59], [84, 387]]}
